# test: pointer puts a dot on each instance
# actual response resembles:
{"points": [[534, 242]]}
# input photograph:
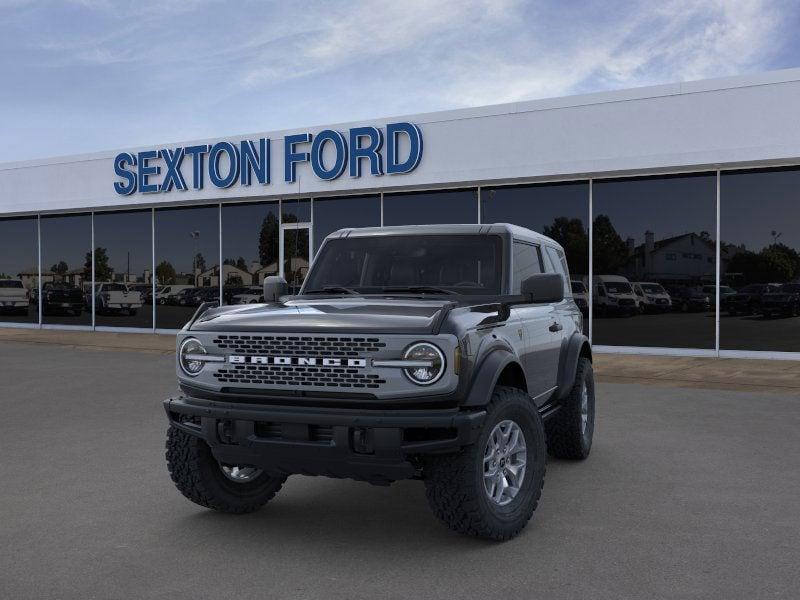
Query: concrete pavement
{"points": [[688, 493]]}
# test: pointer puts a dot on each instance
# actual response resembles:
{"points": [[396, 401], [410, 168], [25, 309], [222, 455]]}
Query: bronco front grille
{"points": [[274, 375], [299, 345]]}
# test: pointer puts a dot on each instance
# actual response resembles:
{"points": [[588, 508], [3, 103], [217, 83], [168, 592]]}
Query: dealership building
{"points": [[680, 201]]}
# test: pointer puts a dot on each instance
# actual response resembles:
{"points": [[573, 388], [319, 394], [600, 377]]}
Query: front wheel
{"points": [[227, 488], [491, 488]]}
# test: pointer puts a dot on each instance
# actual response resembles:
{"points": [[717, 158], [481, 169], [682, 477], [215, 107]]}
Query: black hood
{"points": [[349, 314]]}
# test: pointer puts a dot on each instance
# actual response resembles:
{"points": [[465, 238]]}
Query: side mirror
{"points": [[274, 287], [544, 288]]}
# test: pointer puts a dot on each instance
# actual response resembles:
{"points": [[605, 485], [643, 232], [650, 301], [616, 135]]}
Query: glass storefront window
{"points": [[297, 210], [19, 270], [427, 208], [654, 261], [123, 266], [760, 260], [331, 214], [250, 241], [187, 262], [67, 269], [557, 210]]}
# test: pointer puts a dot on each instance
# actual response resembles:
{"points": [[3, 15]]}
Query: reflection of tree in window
{"points": [[268, 241], [572, 236], [165, 273], [610, 253]]}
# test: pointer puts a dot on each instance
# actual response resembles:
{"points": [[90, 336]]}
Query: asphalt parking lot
{"points": [[689, 493]]}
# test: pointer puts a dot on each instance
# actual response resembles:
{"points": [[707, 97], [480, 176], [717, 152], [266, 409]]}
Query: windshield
{"points": [[652, 288], [419, 264], [616, 287], [10, 283], [578, 287]]}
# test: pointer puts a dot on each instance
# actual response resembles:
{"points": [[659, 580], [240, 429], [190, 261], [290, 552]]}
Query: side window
{"points": [[559, 263], [527, 262]]}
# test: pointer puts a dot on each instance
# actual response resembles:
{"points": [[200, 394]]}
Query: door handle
{"points": [[556, 327]]}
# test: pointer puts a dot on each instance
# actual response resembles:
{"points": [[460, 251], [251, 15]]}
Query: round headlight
{"points": [[432, 358], [191, 366]]}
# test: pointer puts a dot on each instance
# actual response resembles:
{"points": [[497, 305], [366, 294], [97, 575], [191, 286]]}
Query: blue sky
{"points": [[88, 75]]}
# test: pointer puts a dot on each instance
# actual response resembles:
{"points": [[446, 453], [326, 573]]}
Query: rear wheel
{"points": [[226, 488], [491, 488], [570, 431]]}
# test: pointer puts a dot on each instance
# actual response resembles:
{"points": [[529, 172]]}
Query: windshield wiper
{"points": [[332, 289], [418, 289]]}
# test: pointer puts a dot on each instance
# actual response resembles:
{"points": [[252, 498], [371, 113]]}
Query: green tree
{"points": [[165, 273], [610, 253], [241, 263], [268, 240], [572, 235], [102, 270], [59, 268], [234, 281]]}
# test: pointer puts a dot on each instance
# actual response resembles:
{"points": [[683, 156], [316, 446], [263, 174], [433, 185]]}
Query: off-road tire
{"points": [[565, 435], [198, 476], [454, 482]]}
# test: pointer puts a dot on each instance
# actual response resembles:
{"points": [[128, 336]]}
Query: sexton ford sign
{"points": [[225, 164]]}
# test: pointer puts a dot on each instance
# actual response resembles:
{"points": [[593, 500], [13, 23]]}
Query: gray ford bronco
{"points": [[453, 354]]}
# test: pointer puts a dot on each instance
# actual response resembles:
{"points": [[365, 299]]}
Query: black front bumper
{"points": [[372, 445]]}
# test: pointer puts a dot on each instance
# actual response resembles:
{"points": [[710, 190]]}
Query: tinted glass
{"points": [[464, 264], [66, 269], [187, 257], [421, 208], [559, 211], [296, 210], [655, 230], [296, 256], [527, 262], [123, 265], [19, 270], [250, 235], [760, 232], [331, 214], [559, 262]]}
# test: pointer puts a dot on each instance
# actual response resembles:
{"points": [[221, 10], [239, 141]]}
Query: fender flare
{"points": [[572, 350], [486, 375]]}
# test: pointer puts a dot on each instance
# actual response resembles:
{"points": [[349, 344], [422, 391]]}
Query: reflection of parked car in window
{"points": [[725, 292], [196, 296], [651, 297], [783, 301], [144, 289], [61, 298], [228, 292], [614, 295], [252, 295], [581, 295], [748, 299], [110, 298], [14, 298], [167, 293], [689, 299]]}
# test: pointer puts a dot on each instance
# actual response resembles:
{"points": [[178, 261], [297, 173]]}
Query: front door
{"points": [[295, 254]]}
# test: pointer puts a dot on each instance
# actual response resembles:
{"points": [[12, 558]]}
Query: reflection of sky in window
{"points": [[754, 205], [241, 228], [457, 206], [67, 239], [535, 207], [122, 235], [667, 206], [19, 246], [331, 214], [174, 242]]}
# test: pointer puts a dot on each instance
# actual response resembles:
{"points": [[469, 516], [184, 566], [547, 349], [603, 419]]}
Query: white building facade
{"points": [[689, 184]]}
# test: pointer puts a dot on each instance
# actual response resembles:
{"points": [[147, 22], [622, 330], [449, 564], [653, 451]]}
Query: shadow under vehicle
{"points": [[652, 297], [63, 298], [689, 299], [452, 354], [747, 301], [785, 301], [14, 297]]}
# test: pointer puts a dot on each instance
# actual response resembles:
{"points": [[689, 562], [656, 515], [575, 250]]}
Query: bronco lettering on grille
{"points": [[304, 361]]}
